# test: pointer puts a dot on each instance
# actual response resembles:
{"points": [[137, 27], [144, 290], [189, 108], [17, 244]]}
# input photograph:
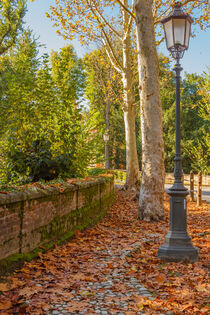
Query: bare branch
{"points": [[107, 43], [107, 23], [109, 50], [126, 9], [129, 22]]}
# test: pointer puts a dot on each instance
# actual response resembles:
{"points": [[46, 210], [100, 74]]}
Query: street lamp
{"points": [[106, 137], [178, 245], [106, 140]]}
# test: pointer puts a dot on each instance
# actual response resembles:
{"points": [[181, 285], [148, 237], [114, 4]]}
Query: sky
{"points": [[196, 58]]}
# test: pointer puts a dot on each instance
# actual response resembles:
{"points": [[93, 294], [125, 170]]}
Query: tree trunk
{"points": [[107, 161], [132, 165], [153, 174]]}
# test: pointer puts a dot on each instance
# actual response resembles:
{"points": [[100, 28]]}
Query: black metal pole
{"points": [[178, 160], [178, 245]]}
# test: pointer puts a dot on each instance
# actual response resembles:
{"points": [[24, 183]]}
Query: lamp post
{"points": [[178, 245], [106, 140]]}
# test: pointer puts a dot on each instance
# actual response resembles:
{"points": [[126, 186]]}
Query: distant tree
{"points": [[69, 81], [104, 92], [194, 118], [195, 126], [88, 21], [44, 136], [167, 93], [19, 67], [11, 21]]}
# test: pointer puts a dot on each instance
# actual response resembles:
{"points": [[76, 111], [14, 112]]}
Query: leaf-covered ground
{"points": [[112, 268]]}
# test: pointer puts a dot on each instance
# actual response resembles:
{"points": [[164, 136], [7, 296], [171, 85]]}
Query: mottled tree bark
{"points": [[132, 165], [107, 161], [152, 186]]}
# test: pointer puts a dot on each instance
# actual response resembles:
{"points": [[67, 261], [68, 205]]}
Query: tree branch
{"points": [[107, 23], [112, 56], [129, 22], [108, 46], [126, 9]]}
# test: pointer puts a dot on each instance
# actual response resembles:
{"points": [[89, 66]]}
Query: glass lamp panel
{"points": [[169, 33], [187, 36], [179, 31], [106, 137]]}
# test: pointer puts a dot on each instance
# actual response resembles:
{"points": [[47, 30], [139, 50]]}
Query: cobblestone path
{"points": [[94, 273]]}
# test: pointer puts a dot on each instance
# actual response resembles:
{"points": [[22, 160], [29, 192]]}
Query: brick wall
{"points": [[33, 219]]}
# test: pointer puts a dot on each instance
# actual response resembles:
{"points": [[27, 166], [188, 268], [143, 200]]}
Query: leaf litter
{"points": [[113, 268]]}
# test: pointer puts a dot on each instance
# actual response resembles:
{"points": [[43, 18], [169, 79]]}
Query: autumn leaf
{"points": [[25, 270], [70, 273], [4, 287], [203, 288], [110, 266], [28, 291], [140, 306], [5, 305], [161, 278], [86, 293], [133, 268]]}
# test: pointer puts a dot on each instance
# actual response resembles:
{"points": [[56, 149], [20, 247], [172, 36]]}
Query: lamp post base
{"points": [[178, 245], [178, 249]]}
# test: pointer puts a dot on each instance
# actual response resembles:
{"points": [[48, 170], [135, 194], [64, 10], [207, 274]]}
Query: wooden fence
{"points": [[192, 180], [120, 175]]}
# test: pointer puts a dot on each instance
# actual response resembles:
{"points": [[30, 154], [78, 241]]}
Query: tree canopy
{"points": [[11, 21]]}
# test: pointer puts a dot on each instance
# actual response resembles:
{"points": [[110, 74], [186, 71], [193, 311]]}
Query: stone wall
{"points": [[32, 221]]}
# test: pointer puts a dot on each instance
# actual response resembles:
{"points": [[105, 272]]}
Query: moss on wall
{"points": [[62, 228]]}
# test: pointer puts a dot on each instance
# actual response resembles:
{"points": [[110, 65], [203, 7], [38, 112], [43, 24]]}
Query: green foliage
{"points": [[95, 171], [38, 162], [11, 20], [45, 133], [196, 106], [194, 119], [102, 81], [104, 88]]}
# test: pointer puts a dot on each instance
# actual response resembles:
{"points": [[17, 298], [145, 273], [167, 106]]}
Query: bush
{"points": [[37, 162]]}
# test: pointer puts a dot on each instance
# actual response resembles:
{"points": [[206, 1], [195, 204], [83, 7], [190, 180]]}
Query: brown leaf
{"points": [[5, 305], [140, 306], [202, 288], [110, 266], [161, 278], [29, 291], [4, 287]]}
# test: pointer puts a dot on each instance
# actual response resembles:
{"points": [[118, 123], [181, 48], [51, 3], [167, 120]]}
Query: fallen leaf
{"points": [[133, 268], [140, 306], [202, 288], [110, 266], [86, 293], [4, 287], [5, 305], [161, 278]]}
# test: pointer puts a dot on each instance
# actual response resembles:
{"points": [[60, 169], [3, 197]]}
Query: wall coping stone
{"points": [[37, 193]]}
